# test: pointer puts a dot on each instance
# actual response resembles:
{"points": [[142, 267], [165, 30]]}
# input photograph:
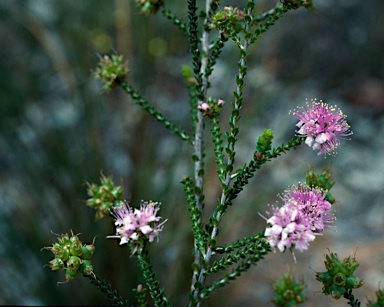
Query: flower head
{"points": [[211, 108], [149, 6], [339, 278], [104, 197], [304, 215], [111, 70], [288, 291], [322, 125], [71, 255], [136, 225], [204, 106]]}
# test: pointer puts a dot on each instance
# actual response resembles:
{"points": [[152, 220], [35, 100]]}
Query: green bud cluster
{"points": [[380, 299], [288, 291], [214, 108], [72, 256], [111, 70], [323, 181], [227, 19], [104, 197], [338, 279], [149, 6]]}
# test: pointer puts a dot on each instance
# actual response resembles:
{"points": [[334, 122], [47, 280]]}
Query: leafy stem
{"points": [[174, 19], [245, 173], [233, 121], [151, 110], [157, 293], [106, 288]]}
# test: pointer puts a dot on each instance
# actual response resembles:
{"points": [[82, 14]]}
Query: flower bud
{"points": [[211, 108], [88, 251], [380, 299], [349, 265], [76, 246], [56, 264], [61, 251], [324, 277], [353, 282], [73, 263], [337, 291], [332, 264], [70, 275], [64, 239], [86, 268], [339, 279]]}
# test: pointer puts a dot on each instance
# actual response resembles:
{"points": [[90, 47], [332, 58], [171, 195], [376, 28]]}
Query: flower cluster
{"points": [[211, 108], [304, 215], [112, 71], [104, 197], [338, 278], [380, 299], [323, 181], [136, 225], [322, 125], [72, 256], [149, 6], [226, 19], [288, 291], [308, 4]]}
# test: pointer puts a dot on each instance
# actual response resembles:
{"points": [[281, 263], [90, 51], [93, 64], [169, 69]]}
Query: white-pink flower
{"points": [[137, 224], [322, 125], [204, 106], [304, 215]]}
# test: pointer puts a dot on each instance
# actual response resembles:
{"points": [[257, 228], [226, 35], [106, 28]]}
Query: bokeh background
{"points": [[58, 130]]}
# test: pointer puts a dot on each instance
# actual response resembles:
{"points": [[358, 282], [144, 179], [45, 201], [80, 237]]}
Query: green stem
{"points": [[200, 62], [151, 110], [106, 288], [157, 293], [216, 217], [351, 299], [174, 19], [244, 174]]}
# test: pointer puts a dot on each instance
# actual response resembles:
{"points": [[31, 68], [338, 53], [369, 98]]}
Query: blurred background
{"points": [[58, 130]]}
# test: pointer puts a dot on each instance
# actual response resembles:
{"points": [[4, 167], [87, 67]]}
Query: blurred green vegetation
{"points": [[58, 130]]}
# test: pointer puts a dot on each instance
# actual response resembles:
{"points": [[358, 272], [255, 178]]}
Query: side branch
{"points": [[247, 172], [151, 110], [106, 288], [157, 293], [175, 20]]}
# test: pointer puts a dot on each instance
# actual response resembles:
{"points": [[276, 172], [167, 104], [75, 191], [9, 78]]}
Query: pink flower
{"points": [[304, 215], [220, 102], [204, 106], [137, 224], [312, 203], [323, 125]]}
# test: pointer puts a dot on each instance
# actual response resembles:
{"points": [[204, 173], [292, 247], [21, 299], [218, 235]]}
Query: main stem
{"points": [[231, 160], [199, 132]]}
